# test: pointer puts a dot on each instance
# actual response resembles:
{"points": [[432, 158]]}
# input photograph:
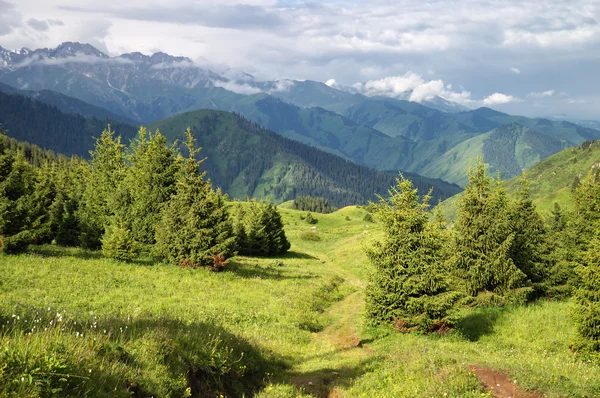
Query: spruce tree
{"points": [[260, 230], [17, 184], [118, 242], [102, 194], [409, 284], [195, 228], [150, 182], [586, 312], [483, 238], [530, 249]]}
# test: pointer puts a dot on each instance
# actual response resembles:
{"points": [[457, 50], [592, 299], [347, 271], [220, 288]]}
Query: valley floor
{"points": [[76, 324]]}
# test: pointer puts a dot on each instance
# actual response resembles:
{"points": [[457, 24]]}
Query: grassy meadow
{"points": [[75, 324]]}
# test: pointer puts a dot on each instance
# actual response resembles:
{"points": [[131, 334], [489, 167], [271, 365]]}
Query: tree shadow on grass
{"points": [[61, 251], [479, 323], [295, 254], [264, 272], [215, 361], [82, 254]]}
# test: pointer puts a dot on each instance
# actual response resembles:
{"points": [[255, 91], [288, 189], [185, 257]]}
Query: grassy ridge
{"points": [[275, 327], [551, 180]]}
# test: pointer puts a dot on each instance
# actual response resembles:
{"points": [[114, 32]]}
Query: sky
{"points": [[535, 58]]}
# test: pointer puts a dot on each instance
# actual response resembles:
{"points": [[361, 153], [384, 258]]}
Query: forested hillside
{"points": [[44, 125], [245, 159]]}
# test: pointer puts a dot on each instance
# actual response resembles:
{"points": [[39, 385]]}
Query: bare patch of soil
{"points": [[500, 385]]}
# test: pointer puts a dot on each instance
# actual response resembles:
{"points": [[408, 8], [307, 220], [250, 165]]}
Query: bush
{"points": [[310, 219], [311, 236], [118, 244], [368, 218]]}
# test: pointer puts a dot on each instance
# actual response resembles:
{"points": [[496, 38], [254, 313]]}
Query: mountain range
{"points": [[435, 138], [242, 158]]}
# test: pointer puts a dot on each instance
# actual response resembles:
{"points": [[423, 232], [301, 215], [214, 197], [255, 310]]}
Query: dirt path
{"points": [[500, 385], [339, 365]]}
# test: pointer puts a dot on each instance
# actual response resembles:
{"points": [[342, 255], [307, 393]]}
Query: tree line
{"points": [[146, 196], [499, 251]]}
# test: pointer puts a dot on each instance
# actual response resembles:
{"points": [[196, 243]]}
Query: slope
{"points": [[552, 180], [44, 125], [67, 104], [244, 160], [508, 149]]}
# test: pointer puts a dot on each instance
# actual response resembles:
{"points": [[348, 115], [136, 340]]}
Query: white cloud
{"points": [[331, 83], [392, 85], [79, 58], [244, 88], [541, 94], [176, 65], [514, 70], [427, 91], [283, 85], [499, 99]]}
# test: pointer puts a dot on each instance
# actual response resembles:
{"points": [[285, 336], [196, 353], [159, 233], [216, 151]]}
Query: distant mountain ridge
{"points": [[380, 132], [243, 158]]}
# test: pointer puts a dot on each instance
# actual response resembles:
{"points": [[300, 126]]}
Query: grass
{"points": [[272, 327]]}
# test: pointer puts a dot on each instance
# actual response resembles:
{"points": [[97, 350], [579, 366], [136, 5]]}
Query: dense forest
{"points": [[46, 126], [245, 159]]}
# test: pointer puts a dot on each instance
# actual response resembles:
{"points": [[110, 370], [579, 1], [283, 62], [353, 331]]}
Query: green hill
{"points": [[508, 149], [245, 159], [551, 180], [46, 126]]}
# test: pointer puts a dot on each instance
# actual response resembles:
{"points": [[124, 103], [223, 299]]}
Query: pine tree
{"points": [[150, 182], [118, 242], [41, 223], [17, 184], [483, 238], [409, 284], [586, 312], [260, 230], [103, 192], [195, 228], [530, 250]]}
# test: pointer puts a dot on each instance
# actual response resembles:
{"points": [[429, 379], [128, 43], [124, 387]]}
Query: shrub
{"points": [[310, 219], [118, 243], [311, 236]]}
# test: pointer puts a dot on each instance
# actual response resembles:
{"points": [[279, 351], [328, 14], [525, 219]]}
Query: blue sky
{"points": [[526, 57]]}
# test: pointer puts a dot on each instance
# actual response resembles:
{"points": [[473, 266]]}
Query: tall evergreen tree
{"points": [[483, 238], [530, 249], [102, 194], [150, 181], [195, 227], [409, 284], [17, 184], [586, 311]]}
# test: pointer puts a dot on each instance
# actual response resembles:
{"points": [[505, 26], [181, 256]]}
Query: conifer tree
{"points": [[409, 284], [44, 194], [260, 230], [118, 242], [586, 312], [101, 196], [17, 183], [70, 185], [483, 237], [195, 227], [530, 250], [150, 183]]}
